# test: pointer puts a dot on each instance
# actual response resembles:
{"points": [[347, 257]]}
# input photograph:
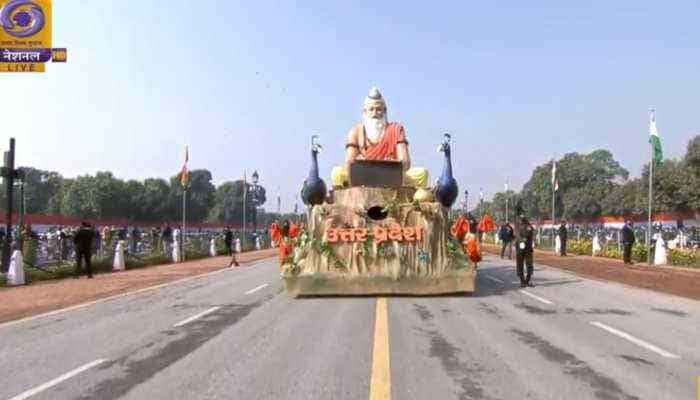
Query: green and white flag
{"points": [[654, 138]]}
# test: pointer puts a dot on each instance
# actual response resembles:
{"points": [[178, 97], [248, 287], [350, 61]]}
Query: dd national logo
{"points": [[25, 36]]}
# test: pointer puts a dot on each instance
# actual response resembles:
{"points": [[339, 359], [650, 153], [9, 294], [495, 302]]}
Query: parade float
{"points": [[380, 229]]}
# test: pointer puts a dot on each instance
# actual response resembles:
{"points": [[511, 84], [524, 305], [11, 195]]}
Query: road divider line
{"points": [[536, 297], [255, 289], [58, 380], [635, 340], [194, 317], [493, 279], [380, 382]]}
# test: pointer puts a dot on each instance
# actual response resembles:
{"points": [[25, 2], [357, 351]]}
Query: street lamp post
{"points": [[466, 201], [22, 208], [9, 173], [255, 204], [296, 210]]}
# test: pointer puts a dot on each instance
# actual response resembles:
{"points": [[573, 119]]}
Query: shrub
{"points": [[687, 258], [639, 253], [196, 254], [582, 247], [611, 252]]}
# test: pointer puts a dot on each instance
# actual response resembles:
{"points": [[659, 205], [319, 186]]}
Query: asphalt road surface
{"points": [[235, 334]]}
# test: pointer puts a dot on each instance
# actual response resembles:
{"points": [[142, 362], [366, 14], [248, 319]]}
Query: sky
{"points": [[246, 84]]}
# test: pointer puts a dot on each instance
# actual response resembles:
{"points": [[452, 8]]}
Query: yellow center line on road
{"points": [[380, 382]]}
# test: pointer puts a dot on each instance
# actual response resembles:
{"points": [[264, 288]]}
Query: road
{"points": [[236, 334]]}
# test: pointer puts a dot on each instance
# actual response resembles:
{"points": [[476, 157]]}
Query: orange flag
{"points": [[184, 175]]}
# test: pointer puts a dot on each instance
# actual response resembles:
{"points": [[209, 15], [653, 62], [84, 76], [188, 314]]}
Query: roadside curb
{"points": [[668, 267]]}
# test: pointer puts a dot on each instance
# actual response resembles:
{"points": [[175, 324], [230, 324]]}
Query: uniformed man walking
{"points": [[83, 249], [228, 241], [563, 237], [523, 251], [627, 242]]}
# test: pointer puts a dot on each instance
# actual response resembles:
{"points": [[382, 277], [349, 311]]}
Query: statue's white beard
{"points": [[374, 127]]}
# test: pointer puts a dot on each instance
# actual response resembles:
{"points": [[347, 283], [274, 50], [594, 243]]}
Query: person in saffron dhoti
{"points": [[460, 230], [378, 139], [275, 234]]}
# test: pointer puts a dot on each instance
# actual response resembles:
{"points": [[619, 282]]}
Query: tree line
{"points": [[103, 196], [595, 184], [590, 185]]}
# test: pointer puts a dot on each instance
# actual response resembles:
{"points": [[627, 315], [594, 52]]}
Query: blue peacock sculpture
{"points": [[446, 189], [314, 190]]}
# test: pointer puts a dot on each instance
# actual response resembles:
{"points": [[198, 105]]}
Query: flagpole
{"points": [[554, 193], [654, 141], [279, 202], [506, 200], [184, 213], [651, 175], [506, 206], [184, 179], [245, 195]]}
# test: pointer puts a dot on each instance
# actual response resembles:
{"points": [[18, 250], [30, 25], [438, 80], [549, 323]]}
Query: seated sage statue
{"points": [[377, 139]]}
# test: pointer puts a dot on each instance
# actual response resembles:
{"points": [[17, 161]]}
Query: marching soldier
{"points": [[524, 250]]}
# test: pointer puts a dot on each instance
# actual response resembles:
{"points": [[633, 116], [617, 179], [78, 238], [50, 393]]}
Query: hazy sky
{"points": [[245, 85]]}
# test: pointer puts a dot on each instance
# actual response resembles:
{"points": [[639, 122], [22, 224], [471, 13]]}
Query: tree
{"points": [[537, 193], [497, 206], [133, 199], [228, 204], [692, 156], [156, 199], [692, 162], [200, 195], [56, 201], [671, 180], [584, 180], [39, 187], [110, 197], [266, 219], [79, 198], [623, 199]]}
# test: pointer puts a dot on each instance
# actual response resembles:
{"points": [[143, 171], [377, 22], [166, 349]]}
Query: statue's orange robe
{"points": [[386, 148]]}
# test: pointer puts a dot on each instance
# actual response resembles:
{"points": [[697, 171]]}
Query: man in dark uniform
{"points": [[2, 240], [506, 236], [167, 236], [524, 250], [228, 241], [135, 238], [563, 236], [627, 242], [83, 249]]}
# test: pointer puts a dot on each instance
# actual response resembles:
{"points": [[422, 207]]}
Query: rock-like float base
{"points": [[461, 281], [346, 249]]}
